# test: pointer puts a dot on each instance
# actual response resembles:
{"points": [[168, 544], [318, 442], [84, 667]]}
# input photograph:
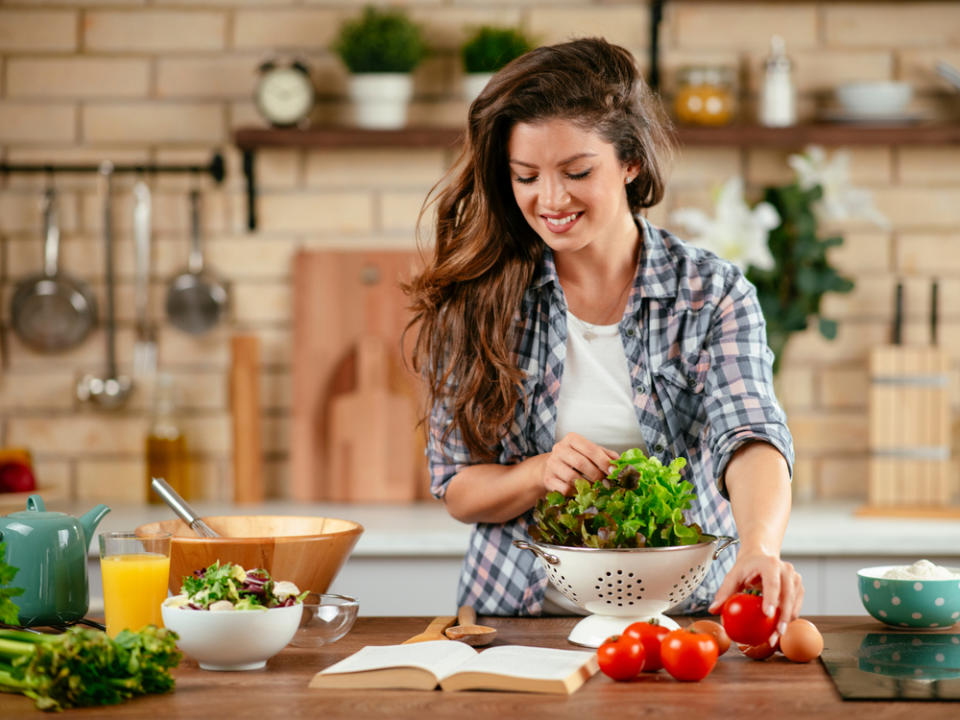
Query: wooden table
{"points": [[738, 687]]}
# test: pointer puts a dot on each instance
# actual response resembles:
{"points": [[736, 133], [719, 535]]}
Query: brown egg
{"points": [[801, 642], [715, 629]]}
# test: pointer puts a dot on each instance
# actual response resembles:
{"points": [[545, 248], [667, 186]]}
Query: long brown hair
{"points": [[465, 302]]}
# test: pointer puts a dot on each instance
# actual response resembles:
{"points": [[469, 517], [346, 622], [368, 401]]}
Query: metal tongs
{"points": [[186, 513]]}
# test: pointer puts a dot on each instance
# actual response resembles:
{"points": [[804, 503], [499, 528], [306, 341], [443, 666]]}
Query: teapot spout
{"points": [[90, 519]]}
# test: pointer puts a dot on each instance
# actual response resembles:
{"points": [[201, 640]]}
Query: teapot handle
{"points": [[35, 503]]}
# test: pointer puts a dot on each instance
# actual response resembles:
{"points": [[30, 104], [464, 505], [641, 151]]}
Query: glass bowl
{"points": [[326, 618]]}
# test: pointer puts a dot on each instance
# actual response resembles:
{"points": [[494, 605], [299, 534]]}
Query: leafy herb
{"points": [[9, 612], [639, 504], [489, 48], [84, 667]]}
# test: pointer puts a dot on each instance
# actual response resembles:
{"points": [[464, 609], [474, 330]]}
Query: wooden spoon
{"points": [[468, 631], [434, 630]]}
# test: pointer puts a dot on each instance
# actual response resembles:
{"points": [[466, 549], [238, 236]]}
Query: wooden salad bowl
{"points": [[307, 551]]}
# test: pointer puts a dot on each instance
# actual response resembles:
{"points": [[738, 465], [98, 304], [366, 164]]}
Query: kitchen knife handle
{"points": [[898, 316]]}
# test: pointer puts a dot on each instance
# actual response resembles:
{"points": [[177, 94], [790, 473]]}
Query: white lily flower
{"points": [[840, 200], [737, 233]]}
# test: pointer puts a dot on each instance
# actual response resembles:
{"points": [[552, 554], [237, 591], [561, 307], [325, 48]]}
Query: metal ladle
{"points": [[196, 299], [112, 391]]}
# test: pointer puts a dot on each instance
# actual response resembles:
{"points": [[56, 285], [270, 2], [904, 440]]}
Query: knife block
{"points": [[909, 433]]}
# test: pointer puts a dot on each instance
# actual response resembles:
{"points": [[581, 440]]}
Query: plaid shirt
{"points": [[702, 381]]}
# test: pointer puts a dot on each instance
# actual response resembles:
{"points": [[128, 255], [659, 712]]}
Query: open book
{"points": [[457, 666]]}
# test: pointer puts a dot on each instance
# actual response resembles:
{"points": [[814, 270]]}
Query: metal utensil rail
{"points": [[215, 168]]}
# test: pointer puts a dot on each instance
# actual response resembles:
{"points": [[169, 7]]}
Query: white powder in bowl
{"points": [[920, 570]]}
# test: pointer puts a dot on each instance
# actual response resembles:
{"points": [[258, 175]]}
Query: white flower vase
{"points": [[380, 100], [473, 84]]}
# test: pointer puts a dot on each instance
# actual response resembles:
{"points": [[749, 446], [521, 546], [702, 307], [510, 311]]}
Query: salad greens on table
{"points": [[230, 587], [81, 667], [9, 612], [640, 503]]}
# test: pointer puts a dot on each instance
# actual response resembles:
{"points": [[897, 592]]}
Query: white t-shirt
{"points": [[596, 397], [596, 401]]}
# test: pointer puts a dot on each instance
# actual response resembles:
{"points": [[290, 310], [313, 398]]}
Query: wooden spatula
{"points": [[434, 630]]}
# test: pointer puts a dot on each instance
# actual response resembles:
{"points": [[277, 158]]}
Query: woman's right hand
{"points": [[574, 456]]}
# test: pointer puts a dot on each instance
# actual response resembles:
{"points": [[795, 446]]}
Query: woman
{"points": [[557, 328]]}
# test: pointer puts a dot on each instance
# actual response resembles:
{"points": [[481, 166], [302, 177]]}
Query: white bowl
{"points": [[233, 639], [874, 99]]}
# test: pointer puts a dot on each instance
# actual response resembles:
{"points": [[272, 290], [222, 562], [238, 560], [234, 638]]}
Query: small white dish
{"points": [[235, 639], [900, 118], [878, 98]]}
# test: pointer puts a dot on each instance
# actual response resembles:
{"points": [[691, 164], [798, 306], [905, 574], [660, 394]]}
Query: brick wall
{"points": [[166, 81]]}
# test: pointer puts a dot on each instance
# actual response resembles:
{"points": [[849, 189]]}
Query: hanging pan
{"points": [[196, 299], [51, 311]]}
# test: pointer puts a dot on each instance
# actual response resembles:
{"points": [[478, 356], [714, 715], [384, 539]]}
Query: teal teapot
{"points": [[50, 551]]}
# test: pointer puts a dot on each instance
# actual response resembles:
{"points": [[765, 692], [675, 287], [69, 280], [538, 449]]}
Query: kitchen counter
{"points": [[774, 688], [426, 530], [419, 548]]}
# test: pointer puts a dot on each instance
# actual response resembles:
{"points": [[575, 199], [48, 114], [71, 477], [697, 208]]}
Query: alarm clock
{"points": [[284, 94]]}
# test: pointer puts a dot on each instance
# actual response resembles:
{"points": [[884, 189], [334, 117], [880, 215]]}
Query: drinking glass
{"points": [[135, 569]]}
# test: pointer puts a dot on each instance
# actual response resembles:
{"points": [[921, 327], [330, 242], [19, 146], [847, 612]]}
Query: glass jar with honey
{"points": [[705, 95]]}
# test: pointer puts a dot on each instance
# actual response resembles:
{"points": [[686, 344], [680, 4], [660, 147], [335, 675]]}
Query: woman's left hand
{"points": [[780, 583]]}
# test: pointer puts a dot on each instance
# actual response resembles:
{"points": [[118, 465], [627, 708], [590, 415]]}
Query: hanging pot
{"points": [[51, 311]]}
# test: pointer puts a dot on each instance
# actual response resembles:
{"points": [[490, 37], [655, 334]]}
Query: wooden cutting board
{"points": [[245, 409], [341, 296], [910, 431], [364, 444]]}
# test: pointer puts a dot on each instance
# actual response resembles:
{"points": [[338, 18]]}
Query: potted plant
{"points": [[487, 49], [380, 49]]}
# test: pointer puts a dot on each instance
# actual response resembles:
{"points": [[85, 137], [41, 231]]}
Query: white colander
{"points": [[624, 585]]}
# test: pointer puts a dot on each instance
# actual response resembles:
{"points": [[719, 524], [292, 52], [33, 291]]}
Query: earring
{"points": [[628, 180]]}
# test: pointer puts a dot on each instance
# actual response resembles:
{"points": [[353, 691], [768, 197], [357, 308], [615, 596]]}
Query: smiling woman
{"points": [[557, 328]]}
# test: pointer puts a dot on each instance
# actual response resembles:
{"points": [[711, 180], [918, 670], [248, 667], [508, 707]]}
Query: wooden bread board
{"points": [[245, 411], [910, 430], [341, 296]]}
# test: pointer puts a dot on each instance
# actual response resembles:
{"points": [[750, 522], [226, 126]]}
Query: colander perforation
{"points": [[560, 581]]}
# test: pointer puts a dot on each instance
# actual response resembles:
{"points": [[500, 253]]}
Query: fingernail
{"points": [[773, 640], [769, 610], [782, 628]]}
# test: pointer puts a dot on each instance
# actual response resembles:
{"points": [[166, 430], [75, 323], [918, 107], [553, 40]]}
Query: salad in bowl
{"points": [[229, 618], [230, 587]]}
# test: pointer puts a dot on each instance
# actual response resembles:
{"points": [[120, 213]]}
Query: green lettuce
{"points": [[640, 503]]}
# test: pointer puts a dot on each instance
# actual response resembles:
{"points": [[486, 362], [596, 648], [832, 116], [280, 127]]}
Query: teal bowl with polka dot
{"points": [[921, 603]]}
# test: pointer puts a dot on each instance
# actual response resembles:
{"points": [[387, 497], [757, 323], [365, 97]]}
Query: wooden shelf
{"points": [[823, 134], [744, 135], [346, 137], [250, 139]]}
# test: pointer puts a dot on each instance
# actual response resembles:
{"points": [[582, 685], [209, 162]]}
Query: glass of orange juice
{"points": [[135, 569]]}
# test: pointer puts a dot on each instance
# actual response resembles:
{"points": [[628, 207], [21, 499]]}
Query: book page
{"points": [[438, 657], [523, 661]]}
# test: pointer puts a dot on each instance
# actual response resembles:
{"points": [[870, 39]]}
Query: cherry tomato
{"points": [[621, 657], [758, 652], [713, 628], [687, 655], [744, 621], [651, 635]]}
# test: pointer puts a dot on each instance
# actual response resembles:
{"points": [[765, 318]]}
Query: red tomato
{"points": [[621, 657], [757, 652], [744, 621], [16, 477], [651, 635], [688, 655]]}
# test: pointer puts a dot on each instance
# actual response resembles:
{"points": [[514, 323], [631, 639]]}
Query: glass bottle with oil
{"points": [[166, 445]]}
